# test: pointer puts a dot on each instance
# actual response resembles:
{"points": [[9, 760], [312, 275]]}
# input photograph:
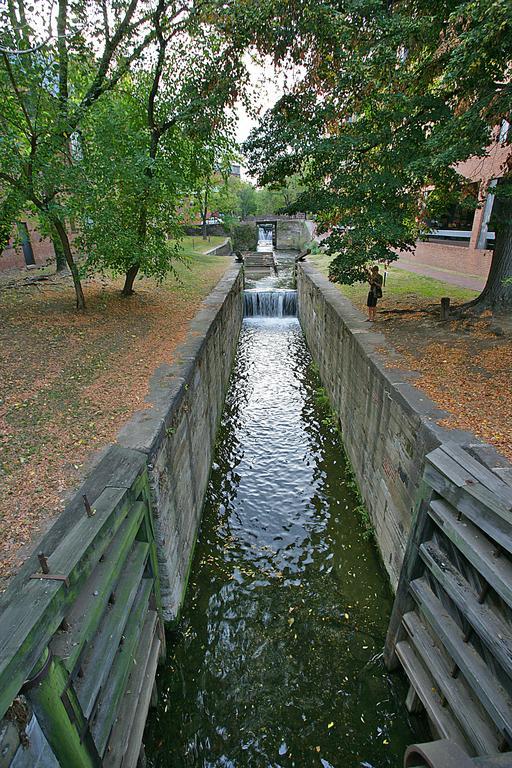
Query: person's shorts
{"points": [[372, 299]]}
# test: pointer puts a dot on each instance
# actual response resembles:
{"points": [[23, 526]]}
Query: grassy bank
{"points": [[400, 285]]}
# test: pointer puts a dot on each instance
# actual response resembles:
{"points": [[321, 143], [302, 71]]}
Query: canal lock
{"points": [[277, 658]]}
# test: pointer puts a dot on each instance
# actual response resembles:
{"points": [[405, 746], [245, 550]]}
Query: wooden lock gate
{"points": [[451, 626], [81, 637]]}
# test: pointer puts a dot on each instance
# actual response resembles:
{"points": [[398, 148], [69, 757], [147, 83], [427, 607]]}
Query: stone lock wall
{"points": [[388, 425], [292, 235], [224, 249], [178, 428]]}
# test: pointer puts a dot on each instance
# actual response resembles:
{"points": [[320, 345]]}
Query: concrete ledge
{"points": [[388, 424], [224, 249], [177, 430]]}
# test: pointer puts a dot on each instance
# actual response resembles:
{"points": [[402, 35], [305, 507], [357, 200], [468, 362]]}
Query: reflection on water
{"points": [[277, 658]]}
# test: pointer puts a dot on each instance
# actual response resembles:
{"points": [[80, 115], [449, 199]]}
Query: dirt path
{"points": [[69, 381], [465, 366]]}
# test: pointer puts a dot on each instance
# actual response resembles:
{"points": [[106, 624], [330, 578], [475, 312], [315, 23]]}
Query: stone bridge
{"points": [[288, 232]]}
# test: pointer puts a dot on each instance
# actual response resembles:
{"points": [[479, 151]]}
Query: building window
{"points": [[503, 135]]}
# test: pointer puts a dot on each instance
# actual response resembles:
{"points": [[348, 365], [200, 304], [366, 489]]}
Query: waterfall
{"points": [[264, 235], [270, 303]]}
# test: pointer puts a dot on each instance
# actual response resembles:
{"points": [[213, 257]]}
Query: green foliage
{"points": [[248, 200], [244, 237], [315, 247], [278, 198], [115, 118], [10, 207], [391, 98], [50, 83], [112, 188], [232, 197]]}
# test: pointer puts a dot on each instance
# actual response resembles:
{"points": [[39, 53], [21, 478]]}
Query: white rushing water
{"points": [[280, 303]]}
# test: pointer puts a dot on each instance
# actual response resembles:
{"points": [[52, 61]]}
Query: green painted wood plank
{"points": [[119, 468], [63, 735], [137, 732], [24, 635], [477, 510], [477, 470], [141, 679], [100, 652], [476, 547], [85, 614], [493, 697], [29, 623], [89, 533], [476, 728], [443, 721], [113, 689]]}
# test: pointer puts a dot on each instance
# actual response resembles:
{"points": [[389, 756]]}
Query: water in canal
{"points": [[277, 658]]}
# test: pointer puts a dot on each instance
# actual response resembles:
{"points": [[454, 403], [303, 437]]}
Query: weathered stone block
{"points": [[177, 431], [388, 425]]}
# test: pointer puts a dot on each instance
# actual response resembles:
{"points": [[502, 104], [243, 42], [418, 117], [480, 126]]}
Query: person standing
{"points": [[375, 293]]}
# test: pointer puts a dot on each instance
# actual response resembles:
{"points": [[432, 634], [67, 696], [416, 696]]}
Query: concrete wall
{"points": [[388, 425], [178, 428], [224, 249], [292, 235]]}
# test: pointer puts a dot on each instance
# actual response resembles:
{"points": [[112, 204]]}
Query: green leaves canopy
{"points": [[391, 97]]}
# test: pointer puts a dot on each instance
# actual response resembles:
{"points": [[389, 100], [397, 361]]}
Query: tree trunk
{"points": [[132, 271], [131, 274], [497, 293], [63, 237], [205, 214], [60, 258]]}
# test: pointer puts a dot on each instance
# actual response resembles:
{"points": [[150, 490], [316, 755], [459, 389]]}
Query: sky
{"points": [[266, 87]]}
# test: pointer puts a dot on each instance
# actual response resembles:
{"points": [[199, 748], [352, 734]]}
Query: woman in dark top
{"points": [[375, 293]]}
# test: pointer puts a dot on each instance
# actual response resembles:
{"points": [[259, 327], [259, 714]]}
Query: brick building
{"points": [[463, 240], [27, 247]]}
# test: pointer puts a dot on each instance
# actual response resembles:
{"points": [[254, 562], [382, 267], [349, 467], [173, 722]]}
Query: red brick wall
{"points": [[468, 261], [12, 256], [486, 168]]}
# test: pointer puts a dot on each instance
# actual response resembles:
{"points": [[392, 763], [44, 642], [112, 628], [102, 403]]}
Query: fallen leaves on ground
{"points": [[69, 382], [464, 365]]}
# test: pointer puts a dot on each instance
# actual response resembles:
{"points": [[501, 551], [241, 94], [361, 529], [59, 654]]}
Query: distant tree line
{"points": [[235, 199]]}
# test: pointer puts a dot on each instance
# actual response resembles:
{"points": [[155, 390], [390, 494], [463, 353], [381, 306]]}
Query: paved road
{"points": [[446, 275]]}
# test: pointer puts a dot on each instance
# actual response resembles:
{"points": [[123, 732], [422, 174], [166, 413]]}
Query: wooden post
{"points": [[413, 702], [47, 696], [445, 308]]}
